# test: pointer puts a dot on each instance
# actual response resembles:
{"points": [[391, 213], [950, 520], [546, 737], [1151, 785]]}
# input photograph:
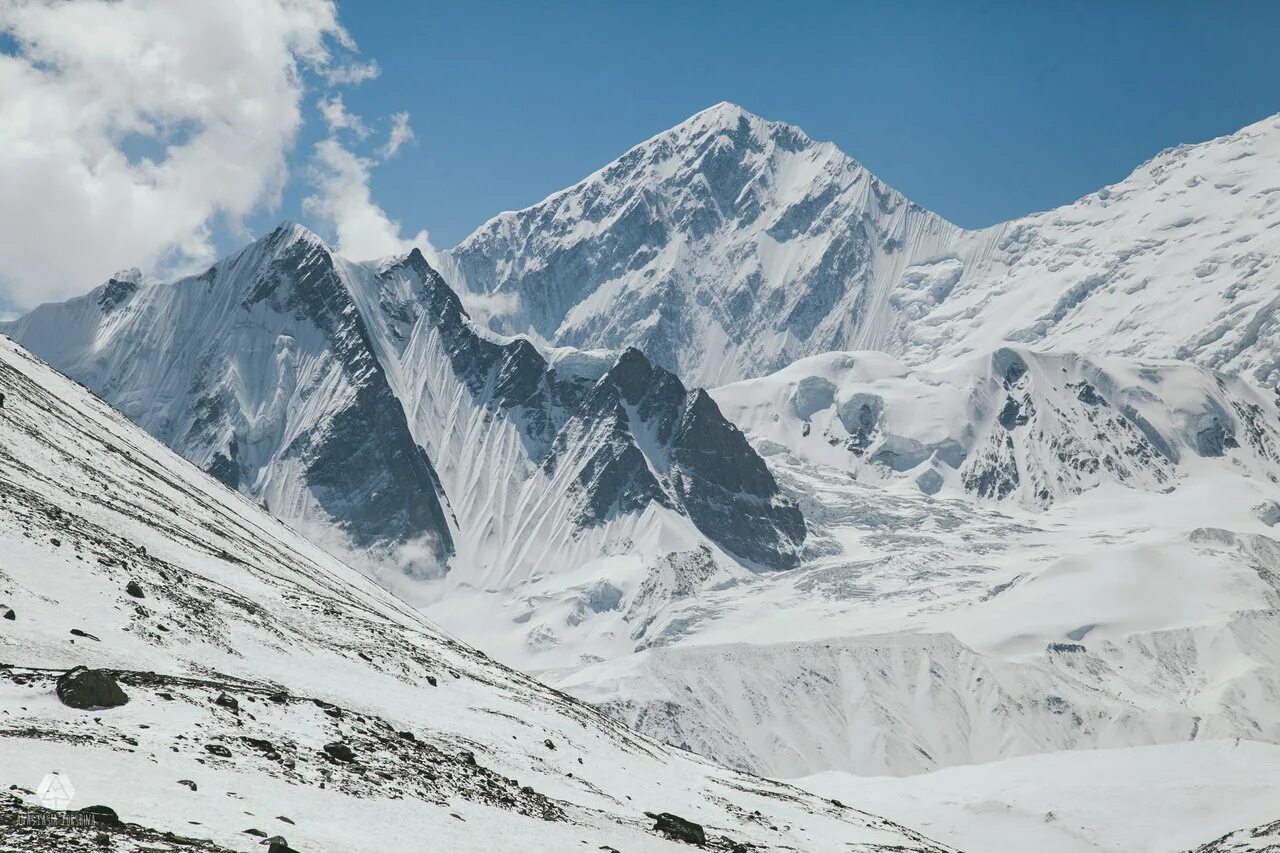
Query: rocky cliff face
{"points": [[261, 371], [362, 397]]}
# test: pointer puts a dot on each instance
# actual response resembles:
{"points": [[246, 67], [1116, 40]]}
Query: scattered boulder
{"points": [[277, 844], [9, 614], [87, 689], [256, 833], [228, 702], [549, 743], [76, 632], [678, 829], [218, 750], [103, 815], [339, 751], [188, 783], [133, 589]]}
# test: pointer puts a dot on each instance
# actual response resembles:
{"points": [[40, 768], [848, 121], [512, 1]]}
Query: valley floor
{"points": [[1154, 799]]}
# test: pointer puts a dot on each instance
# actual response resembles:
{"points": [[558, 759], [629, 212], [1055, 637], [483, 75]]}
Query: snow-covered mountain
{"points": [[262, 372], [243, 687], [972, 496], [724, 248], [362, 396], [730, 246]]}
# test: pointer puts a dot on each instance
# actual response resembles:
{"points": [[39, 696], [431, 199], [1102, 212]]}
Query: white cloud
{"points": [[343, 200], [351, 73], [127, 127], [335, 115], [486, 307], [400, 134]]}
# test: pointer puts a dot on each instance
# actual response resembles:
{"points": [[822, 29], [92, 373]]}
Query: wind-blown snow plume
{"points": [[122, 133]]}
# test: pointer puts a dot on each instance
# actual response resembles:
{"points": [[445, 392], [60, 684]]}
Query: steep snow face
{"points": [[1176, 261], [555, 460], [271, 687], [1013, 425], [724, 248], [260, 371], [729, 246], [327, 389]]}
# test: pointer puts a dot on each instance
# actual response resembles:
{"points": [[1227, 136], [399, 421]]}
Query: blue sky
{"points": [[122, 134], [979, 111]]}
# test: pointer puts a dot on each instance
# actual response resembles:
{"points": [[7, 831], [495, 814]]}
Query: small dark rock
{"points": [[76, 632], [133, 589], [339, 751], [467, 757], [89, 688], [260, 744], [57, 543], [225, 701], [678, 829], [285, 819], [431, 679], [407, 735], [218, 750], [10, 615], [279, 698], [256, 833], [549, 743], [188, 783]]}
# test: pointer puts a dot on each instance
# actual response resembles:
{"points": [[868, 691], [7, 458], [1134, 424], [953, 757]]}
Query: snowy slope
{"points": [[730, 246], [933, 634], [260, 371], [1156, 799], [245, 651], [723, 248], [1015, 424]]}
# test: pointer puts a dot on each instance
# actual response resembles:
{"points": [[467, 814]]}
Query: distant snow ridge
{"points": [[729, 246], [1013, 425]]}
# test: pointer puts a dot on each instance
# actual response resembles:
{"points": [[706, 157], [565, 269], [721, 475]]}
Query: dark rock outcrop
{"points": [[678, 829], [87, 689]]}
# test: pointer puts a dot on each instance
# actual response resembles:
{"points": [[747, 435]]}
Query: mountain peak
{"points": [[289, 232]]}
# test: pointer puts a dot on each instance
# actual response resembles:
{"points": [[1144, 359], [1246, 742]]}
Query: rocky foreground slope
{"points": [[269, 690]]}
